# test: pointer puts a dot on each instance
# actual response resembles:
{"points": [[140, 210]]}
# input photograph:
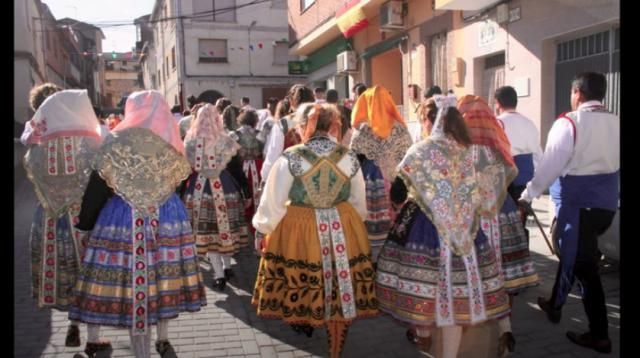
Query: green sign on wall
{"points": [[298, 67]]}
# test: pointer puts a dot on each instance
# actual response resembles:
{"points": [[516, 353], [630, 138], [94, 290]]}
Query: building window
{"points": [[214, 10], [212, 51], [173, 57], [439, 61], [304, 4], [281, 53]]}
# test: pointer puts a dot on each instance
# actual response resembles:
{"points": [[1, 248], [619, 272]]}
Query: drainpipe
{"points": [[182, 70]]}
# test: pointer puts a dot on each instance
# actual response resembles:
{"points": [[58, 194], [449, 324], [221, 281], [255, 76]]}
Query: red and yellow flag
{"points": [[351, 18]]}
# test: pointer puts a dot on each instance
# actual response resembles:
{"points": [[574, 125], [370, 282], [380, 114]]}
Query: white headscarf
{"points": [[443, 103], [66, 113]]}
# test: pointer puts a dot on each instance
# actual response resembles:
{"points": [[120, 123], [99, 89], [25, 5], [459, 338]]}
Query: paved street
{"points": [[228, 326]]}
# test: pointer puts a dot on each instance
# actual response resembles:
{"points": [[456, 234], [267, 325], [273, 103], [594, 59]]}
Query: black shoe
{"points": [[165, 349], [98, 350], [228, 274], [506, 342], [553, 315], [303, 328], [411, 336], [219, 284], [585, 340], [73, 337]]}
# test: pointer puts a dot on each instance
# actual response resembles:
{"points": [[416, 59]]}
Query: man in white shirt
{"points": [[523, 136], [582, 160], [320, 95]]}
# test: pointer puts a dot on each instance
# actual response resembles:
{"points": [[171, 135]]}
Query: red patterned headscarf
{"points": [[483, 126]]}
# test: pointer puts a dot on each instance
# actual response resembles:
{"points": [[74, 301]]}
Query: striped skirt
{"points": [[138, 270], [200, 200], [378, 220], [408, 276]]}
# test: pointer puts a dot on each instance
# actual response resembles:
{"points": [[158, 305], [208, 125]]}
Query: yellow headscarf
{"points": [[376, 107]]}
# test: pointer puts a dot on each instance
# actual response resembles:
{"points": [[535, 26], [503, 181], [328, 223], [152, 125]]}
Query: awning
{"points": [[381, 47], [351, 18]]}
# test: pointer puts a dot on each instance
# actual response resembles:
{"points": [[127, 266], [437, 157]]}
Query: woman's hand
{"points": [[259, 243]]}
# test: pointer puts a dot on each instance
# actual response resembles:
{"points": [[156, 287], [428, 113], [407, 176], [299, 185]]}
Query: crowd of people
{"points": [[350, 217]]}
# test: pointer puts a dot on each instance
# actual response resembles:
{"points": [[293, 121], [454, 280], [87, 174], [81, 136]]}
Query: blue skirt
{"points": [[104, 290], [378, 220]]}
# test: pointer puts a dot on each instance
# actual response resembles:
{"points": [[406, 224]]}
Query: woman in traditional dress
{"points": [[214, 191], [139, 267], [437, 268], [250, 153], [63, 139], [504, 227], [381, 139], [316, 267]]}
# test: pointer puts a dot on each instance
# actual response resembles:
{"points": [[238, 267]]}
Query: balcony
{"points": [[466, 5]]}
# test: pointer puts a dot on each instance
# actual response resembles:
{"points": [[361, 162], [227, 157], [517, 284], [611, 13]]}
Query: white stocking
{"points": [[226, 261], [451, 337], [216, 262], [504, 325], [93, 333], [163, 330], [141, 345]]}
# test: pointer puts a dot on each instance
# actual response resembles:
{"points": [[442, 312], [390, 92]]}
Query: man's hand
{"points": [[525, 205]]}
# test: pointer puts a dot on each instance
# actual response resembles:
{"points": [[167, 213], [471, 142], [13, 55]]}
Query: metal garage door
{"points": [[598, 52]]}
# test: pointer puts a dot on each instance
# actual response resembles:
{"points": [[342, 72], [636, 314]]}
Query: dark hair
{"points": [[245, 100], [229, 116], [300, 94], [222, 103], [191, 100], [359, 88], [454, 124], [248, 118], [283, 108], [327, 113], [175, 109], [272, 102], [592, 85], [346, 119], [433, 90], [40, 93], [318, 90], [332, 96], [186, 112], [507, 97]]}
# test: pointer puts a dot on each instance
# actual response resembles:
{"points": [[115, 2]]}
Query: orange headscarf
{"points": [[376, 107], [335, 129], [483, 126]]}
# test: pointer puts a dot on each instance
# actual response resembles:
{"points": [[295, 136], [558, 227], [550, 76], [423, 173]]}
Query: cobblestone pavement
{"points": [[228, 325]]}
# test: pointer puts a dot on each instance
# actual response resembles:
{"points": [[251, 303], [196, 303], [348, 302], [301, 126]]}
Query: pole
{"points": [[530, 211]]}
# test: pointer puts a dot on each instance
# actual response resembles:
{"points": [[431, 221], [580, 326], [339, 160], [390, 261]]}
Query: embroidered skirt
{"points": [[408, 276], [517, 266], [55, 259], [225, 234], [291, 279], [251, 168], [378, 220], [169, 282]]}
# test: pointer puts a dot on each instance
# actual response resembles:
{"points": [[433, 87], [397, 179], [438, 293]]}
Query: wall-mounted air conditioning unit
{"points": [[391, 15], [347, 61]]}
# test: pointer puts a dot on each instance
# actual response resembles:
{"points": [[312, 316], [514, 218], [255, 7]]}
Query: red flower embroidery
{"points": [[325, 251], [335, 225], [346, 297], [327, 274], [140, 311], [50, 236], [171, 255], [71, 168], [68, 147], [198, 186], [52, 160], [323, 227], [140, 324], [49, 248], [154, 222], [50, 261], [140, 296], [444, 172], [50, 222], [224, 236], [340, 248], [140, 265], [139, 222], [140, 250], [140, 280], [48, 286], [48, 299], [68, 158], [343, 274], [52, 170], [217, 185], [49, 274]]}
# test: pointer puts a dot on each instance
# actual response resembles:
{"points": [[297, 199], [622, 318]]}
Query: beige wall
{"points": [[529, 46], [386, 71]]}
